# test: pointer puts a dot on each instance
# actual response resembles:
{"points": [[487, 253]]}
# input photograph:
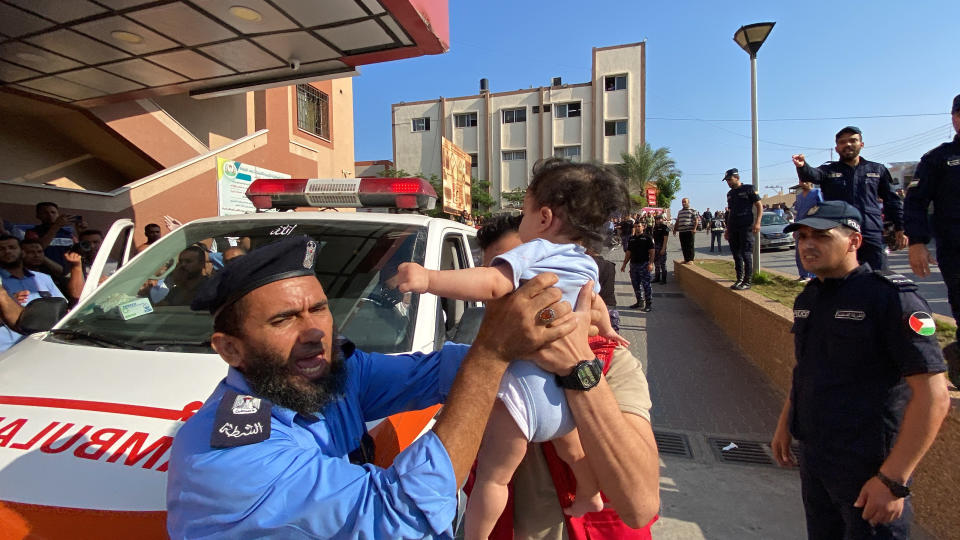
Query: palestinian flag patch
{"points": [[922, 323]]}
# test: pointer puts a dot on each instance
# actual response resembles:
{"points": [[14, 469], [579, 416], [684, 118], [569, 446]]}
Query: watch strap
{"points": [[896, 488], [585, 375]]}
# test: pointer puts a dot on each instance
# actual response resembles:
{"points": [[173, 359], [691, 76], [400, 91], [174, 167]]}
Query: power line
{"points": [[669, 119]]}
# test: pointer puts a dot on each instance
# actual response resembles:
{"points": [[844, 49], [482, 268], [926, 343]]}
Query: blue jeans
{"points": [[640, 278]]}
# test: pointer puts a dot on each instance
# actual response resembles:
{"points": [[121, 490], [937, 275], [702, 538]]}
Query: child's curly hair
{"points": [[584, 195]]}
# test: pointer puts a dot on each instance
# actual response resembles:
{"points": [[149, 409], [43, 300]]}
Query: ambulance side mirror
{"points": [[41, 315]]}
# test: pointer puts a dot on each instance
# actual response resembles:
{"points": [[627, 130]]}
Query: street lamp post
{"points": [[750, 38]]}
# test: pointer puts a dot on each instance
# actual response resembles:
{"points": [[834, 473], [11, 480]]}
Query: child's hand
{"points": [[613, 336], [600, 322], [411, 277]]}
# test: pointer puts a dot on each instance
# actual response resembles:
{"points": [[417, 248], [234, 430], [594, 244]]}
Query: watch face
{"points": [[587, 376]]}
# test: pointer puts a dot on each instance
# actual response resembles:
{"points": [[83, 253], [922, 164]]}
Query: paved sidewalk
{"points": [[702, 386]]}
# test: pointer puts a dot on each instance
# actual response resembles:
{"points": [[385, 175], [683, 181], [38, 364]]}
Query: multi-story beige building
{"points": [[507, 132]]}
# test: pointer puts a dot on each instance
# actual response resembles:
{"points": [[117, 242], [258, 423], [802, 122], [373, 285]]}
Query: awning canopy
{"points": [[90, 52]]}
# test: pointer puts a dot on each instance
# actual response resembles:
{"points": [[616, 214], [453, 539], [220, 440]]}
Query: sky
{"points": [[886, 66]]}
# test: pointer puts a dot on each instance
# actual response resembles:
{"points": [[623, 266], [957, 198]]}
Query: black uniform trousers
{"points": [[741, 245], [948, 259], [872, 254], [828, 504], [686, 245]]}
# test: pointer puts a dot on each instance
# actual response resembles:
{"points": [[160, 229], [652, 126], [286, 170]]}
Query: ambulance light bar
{"points": [[284, 193]]}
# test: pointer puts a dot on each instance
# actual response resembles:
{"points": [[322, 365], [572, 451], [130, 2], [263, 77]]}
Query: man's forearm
{"points": [[621, 451], [75, 283], [809, 174], [464, 416], [921, 420], [9, 309]]}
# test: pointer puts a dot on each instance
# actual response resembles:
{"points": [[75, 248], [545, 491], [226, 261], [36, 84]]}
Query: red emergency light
{"points": [[406, 193]]}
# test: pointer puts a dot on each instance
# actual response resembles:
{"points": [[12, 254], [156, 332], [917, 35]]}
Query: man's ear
{"points": [[856, 240], [229, 348]]}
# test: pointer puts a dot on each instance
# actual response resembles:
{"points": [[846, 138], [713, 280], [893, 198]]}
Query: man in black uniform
{"points": [[661, 234], [640, 254], [868, 368], [743, 222], [863, 184], [626, 231], [937, 179]]}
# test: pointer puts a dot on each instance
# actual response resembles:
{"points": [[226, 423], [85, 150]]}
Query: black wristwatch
{"points": [[585, 375], [899, 490]]}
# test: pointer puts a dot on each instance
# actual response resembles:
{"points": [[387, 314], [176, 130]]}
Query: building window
{"points": [[465, 120], [535, 109], [615, 82], [313, 111], [546, 108], [514, 115], [567, 152], [474, 161], [421, 124], [615, 127], [567, 110], [513, 155]]}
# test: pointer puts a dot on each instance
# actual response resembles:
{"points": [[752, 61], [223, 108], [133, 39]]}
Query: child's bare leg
{"points": [[501, 452], [588, 490]]}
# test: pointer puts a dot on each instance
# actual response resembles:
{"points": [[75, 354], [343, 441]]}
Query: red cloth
{"points": [[605, 524]]}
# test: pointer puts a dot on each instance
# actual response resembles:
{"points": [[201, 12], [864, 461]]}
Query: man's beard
{"points": [[270, 376]]}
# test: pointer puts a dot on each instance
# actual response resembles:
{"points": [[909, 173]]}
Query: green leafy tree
{"points": [[667, 189], [480, 197], [646, 165], [514, 198]]}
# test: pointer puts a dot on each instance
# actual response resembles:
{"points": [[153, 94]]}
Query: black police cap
{"points": [[288, 258], [852, 130], [731, 173], [829, 215], [956, 104]]}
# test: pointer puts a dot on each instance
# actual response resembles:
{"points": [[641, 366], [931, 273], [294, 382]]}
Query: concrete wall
{"points": [[212, 121], [761, 328]]}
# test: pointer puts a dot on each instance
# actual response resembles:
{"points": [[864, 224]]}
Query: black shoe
{"points": [[635, 306], [664, 280], [736, 285], [952, 355], [647, 308], [743, 286]]}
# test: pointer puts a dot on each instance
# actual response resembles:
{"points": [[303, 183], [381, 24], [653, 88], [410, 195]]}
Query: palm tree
{"points": [[646, 165]]}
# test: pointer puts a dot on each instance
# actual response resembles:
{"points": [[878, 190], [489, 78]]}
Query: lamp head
{"points": [[752, 36]]}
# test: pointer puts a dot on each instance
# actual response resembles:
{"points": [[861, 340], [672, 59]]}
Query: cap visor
{"points": [[819, 224]]}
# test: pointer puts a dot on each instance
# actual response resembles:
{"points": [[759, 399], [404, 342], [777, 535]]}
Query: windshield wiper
{"points": [[156, 345], [96, 338]]}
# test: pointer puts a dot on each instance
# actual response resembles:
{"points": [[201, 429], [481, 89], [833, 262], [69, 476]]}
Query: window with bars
{"points": [[513, 155], [566, 110], [474, 161], [313, 111], [615, 127], [465, 120]]}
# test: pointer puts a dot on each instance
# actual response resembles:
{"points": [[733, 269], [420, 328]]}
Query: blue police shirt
{"points": [[38, 284], [936, 179], [300, 483], [856, 339], [861, 186]]}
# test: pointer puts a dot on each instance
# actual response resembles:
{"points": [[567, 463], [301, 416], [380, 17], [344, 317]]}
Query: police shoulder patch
{"points": [[241, 419], [900, 281]]}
